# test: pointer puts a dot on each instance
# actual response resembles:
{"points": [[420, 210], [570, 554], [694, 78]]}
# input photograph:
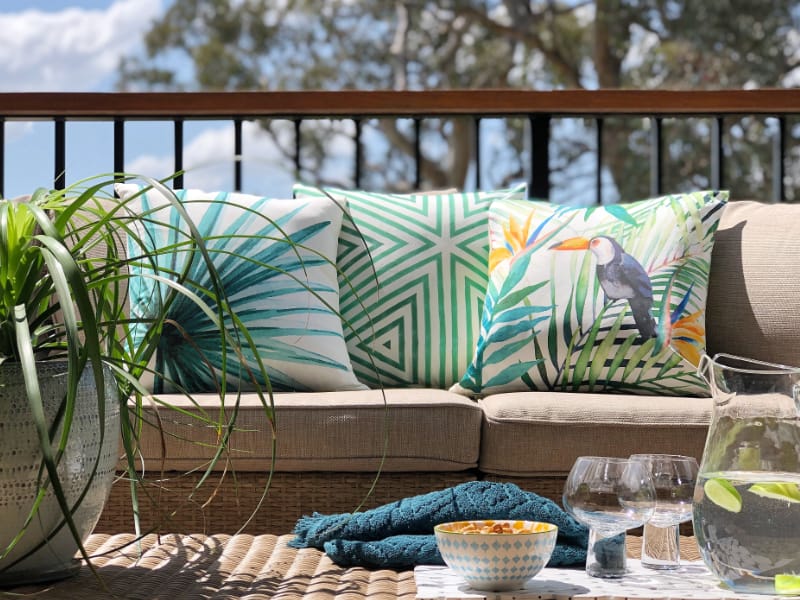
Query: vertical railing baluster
{"points": [[540, 157], [477, 153], [119, 147], [779, 162], [358, 157], [237, 155], [656, 156], [60, 175], [298, 141], [598, 171], [717, 154], [2, 157], [417, 153], [177, 183]]}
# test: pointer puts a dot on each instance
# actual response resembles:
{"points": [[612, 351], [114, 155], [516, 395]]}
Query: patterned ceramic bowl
{"points": [[496, 555]]}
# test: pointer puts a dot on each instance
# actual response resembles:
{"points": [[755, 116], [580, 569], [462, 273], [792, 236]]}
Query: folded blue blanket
{"points": [[400, 534]]}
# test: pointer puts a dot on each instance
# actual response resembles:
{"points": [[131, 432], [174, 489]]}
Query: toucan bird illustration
{"points": [[621, 277]]}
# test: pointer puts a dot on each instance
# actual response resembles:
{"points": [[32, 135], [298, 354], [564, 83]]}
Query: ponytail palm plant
{"points": [[63, 282]]}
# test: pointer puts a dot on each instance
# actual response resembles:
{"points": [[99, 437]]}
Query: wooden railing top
{"points": [[306, 104]]}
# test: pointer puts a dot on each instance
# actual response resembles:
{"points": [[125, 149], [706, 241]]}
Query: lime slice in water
{"points": [[787, 584], [723, 494], [778, 491]]}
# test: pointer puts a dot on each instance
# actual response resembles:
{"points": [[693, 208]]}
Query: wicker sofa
{"points": [[330, 446]]}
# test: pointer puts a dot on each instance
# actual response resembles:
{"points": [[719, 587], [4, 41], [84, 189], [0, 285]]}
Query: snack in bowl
{"points": [[496, 555]]}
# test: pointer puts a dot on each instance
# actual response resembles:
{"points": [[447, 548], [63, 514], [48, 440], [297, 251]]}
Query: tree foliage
{"points": [[536, 44]]}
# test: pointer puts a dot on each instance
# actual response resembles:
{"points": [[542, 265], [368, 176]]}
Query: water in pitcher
{"points": [[752, 522], [746, 507]]}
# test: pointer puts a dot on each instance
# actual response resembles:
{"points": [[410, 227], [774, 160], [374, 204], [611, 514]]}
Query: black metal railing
{"points": [[539, 108]]}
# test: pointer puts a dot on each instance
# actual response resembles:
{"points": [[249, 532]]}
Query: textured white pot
{"points": [[20, 460]]}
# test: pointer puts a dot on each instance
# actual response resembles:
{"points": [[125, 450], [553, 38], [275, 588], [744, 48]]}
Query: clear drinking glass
{"points": [[674, 477], [609, 495]]}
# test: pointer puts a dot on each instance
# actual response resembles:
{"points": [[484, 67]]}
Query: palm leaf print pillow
{"points": [[276, 260], [601, 299]]}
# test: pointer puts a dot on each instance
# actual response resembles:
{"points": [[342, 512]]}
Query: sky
{"points": [[75, 46]]}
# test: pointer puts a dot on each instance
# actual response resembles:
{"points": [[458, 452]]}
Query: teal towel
{"points": [[400, 535]]}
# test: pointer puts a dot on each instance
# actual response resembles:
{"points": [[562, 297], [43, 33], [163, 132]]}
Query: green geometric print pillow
{"points": [[601, 299], [276, 262], [412, 284]]}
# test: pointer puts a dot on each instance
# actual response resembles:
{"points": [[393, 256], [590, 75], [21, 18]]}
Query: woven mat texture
{"points": [[224, 566]]}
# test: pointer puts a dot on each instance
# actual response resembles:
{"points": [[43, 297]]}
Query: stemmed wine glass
{"points": [[673, 477], [609, 495]]}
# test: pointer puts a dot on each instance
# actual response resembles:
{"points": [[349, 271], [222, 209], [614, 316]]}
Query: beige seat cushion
{"points": [[753, 310], [528, 434], [428, 430], [753, 304]]}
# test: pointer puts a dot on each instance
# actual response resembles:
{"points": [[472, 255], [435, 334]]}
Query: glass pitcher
{"points": [[746, 509]]}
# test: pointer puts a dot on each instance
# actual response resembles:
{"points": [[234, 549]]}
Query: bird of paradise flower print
{"points": [[685, 332], [516, 238], [625, 315]]}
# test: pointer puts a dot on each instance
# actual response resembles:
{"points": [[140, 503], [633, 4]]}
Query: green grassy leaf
{"points": [[581, 364], [673, 360], [620, 356], [542, 366], [512, 299], [511, 373], [619, 211], [637, 357], [505, 351], [506, 332], [582, 285], [603, 349]]}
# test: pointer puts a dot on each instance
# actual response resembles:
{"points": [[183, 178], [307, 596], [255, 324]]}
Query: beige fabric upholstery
{"points": [[541, 433], [754, 293], [428, 430], [753, 310]]}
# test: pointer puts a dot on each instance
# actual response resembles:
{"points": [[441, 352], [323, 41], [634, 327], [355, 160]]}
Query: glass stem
{"points": [[661, 548], [605, 555]]}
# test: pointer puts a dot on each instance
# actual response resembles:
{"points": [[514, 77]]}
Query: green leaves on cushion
{"points": [[276, 261], [599, 299]]}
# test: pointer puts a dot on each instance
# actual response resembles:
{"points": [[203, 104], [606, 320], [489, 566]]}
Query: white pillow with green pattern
{"points": [[275, 258], [601, 299], [412, 296]]}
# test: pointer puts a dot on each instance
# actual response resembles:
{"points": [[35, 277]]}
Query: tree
{"points": [[540, 44]]}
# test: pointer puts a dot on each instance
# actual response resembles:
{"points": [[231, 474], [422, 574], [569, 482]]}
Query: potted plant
{"points": [[70, 391]]}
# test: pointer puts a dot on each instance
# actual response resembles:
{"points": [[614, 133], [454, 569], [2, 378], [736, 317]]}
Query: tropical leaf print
{"points": [[621, 311], [274, 261], [510, 320]]}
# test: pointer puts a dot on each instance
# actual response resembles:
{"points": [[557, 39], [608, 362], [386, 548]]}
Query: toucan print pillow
{"points": [[601, 299]]}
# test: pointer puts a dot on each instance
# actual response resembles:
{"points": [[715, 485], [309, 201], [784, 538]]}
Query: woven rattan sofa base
{"points": [[225, 506]]}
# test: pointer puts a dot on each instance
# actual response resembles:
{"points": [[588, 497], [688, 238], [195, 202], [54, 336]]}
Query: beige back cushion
{"points": [[754, 290]]}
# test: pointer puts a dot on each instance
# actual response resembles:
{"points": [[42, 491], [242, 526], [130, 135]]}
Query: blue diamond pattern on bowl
{"points": [[496, 561]]}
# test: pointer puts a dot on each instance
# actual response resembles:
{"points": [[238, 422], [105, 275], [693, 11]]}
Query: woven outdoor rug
{"points": [[224, 566]]}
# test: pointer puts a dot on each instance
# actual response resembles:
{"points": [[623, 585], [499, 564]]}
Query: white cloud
{"points": [[209, 157], [70, 50], [16, 130]]}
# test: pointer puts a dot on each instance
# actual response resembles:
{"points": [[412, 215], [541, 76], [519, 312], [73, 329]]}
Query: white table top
{"points": [[693, 581]]}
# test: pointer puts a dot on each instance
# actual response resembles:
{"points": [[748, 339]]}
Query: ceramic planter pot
{"points": [[35, 557]]}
